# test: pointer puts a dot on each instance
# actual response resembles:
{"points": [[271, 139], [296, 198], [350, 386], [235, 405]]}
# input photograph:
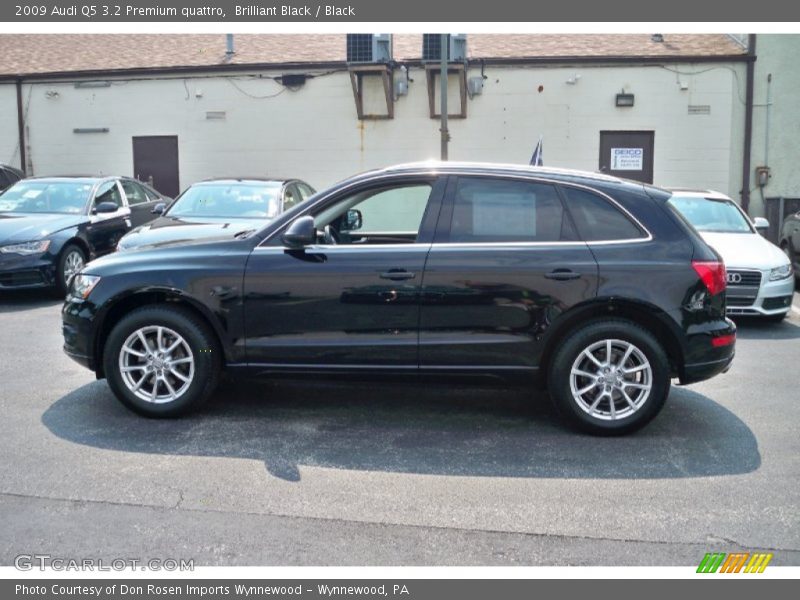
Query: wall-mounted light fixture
{"points": [[624, 100], [90, 130], [92, 84], [573, 79]]}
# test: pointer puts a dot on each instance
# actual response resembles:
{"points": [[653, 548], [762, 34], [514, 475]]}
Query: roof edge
{"points": [[239, 68]]}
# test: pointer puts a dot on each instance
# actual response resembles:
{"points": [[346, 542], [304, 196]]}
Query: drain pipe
{"points": [[21, 128], [748, 122]]}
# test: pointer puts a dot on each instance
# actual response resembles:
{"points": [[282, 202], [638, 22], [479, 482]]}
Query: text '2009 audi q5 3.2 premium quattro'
{"points": [[590, 285]]}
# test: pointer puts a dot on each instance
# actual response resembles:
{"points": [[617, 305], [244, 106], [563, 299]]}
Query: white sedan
{"points": [[760, 281]]}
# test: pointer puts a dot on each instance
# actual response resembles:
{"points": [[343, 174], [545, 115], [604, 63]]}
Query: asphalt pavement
{"points": [[314, 472]]}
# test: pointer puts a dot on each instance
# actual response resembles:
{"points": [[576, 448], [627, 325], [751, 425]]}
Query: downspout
{"points": [[21, 127], [748, 122]]}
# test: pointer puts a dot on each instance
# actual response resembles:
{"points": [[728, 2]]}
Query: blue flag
{"points": [[536, 159]]}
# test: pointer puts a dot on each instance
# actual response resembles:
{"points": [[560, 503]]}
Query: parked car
{"points": [[790, 241], [9, 176], [588, 284], [760, 281], [50, 226], [219, 209]]}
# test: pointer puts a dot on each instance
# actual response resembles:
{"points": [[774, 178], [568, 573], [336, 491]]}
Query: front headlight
{"points": [[26, 248], [82, 285], [780, 272]]}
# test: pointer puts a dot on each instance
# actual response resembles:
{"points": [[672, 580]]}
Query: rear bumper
{"points": [[702, 371], [704, 359]]}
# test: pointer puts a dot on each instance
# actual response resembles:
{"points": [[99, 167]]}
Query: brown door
{"points": [[155, 162], [627, 154]]}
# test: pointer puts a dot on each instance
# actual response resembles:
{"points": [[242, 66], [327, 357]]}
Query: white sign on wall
{"points": [[627, 159]]}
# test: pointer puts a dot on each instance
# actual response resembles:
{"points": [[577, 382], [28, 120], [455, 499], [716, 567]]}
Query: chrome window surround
{"points": [[489, 245]]}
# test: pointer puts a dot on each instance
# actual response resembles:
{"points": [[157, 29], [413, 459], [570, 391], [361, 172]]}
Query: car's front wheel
{"points": [[161, 361], [70, 262], [609, 377]]}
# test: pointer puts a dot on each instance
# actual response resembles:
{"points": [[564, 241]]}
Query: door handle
{"points": [[562, 275], [398, 275]]}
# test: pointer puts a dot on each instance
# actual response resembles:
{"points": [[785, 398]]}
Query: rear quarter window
{"points": [[598, 219]]}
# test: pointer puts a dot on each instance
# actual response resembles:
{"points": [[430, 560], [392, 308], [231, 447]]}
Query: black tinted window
{"points": [[5, 180], [134, 192], [108, 192], [494, 210], [598, 219]]}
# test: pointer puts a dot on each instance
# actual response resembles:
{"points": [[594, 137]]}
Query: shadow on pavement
{"points": [[19, 300], [753, 328], [433, 429]]}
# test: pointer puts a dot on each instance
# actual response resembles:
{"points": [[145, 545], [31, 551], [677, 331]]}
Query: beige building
{"points": [[288, 105]]}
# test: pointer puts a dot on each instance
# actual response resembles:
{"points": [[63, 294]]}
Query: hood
{"points": [[165, 231], [745, 250], [25, 227]]}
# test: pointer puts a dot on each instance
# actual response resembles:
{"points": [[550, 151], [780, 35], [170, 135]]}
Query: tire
{"points": [[70, 261], [174, 383], [581, 409]]}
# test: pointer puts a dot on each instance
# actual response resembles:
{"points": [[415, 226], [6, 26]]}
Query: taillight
{"points": [[723, 340], [712, 274]]}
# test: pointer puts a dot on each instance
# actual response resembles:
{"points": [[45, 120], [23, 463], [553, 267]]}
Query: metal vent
{"points": [[432, 47], [215, 115], [699, 109], [369, 47]]}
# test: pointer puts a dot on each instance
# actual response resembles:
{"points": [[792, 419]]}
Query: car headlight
{"points": [[82, 285], [780, 272], [26, 248]]}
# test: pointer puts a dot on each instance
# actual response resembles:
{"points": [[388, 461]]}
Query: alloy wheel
{"points": [[156, 364], [611, 379], [73, 262]]}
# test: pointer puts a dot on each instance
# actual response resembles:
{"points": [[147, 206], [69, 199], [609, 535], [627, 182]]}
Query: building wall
{"points": [[9, 151], [313, 133], [777, 146]]}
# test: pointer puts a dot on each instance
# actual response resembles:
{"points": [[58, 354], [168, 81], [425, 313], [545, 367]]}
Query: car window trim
{"points": [[428, 224], [442, 235]]}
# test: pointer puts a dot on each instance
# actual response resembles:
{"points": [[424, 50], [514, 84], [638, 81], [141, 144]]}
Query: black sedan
{"points": [[51, 226], [219, 209], [790, 241]]}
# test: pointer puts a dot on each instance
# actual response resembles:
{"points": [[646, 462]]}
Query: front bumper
{"points": [[766, 299], [77, 320], [25, 272]]}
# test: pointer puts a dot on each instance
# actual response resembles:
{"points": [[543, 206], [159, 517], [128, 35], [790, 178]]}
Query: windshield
{"points": [[68, 197], [718, 216], [236, 200]]}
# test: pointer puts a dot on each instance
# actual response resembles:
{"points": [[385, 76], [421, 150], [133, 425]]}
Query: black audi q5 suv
{"points": [[590, 286]]}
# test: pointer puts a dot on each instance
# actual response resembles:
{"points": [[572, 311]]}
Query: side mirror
{"points": [[353, 219], [761, 224], [105, 208], [159, 208], [301, 232]]}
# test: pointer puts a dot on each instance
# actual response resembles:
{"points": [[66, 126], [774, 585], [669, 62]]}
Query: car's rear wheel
{"points": [[609, 377], [70, 262], [161, 361]]}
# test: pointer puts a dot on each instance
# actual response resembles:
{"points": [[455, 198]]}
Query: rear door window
{"points": [[497, 210], [597, 219]]}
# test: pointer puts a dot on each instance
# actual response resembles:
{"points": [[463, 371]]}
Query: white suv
{"points": [[760, 281]]}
